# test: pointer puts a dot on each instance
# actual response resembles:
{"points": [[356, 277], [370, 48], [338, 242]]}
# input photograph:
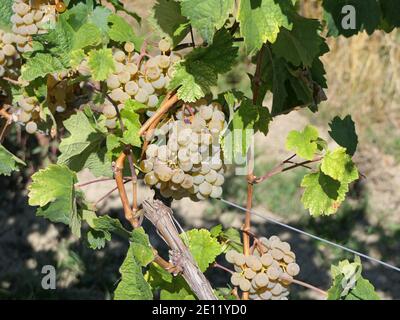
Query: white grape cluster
{"points": [[8, 55], [143, 81], [28, 21], [265, 276], [28, 113], [186, 160]]}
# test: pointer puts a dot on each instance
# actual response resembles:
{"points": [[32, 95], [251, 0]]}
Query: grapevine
{"points": [[149, 109]]}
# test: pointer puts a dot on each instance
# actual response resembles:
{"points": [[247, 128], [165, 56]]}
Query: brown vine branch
{"points": [[169, 101], [304, 284], [281, 168], [161, 217], [217, 265], [119, 168]]}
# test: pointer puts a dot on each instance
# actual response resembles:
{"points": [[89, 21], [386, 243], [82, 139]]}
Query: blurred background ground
{"points": [[364, 81]]}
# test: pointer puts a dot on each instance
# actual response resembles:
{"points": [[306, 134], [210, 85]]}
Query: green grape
{"points": [[131, 68], [277, 290], [277, 254], [206, 112], [151, 151], [150, 178], [244, 284], [187, 182], [163, 172], [205, 188], [124, 77], [109, 111], [235, 279], [266, 295], [273, 273], [211, 176], [293, 269], [249, 273], [240, 259], [266, 259], [31, 127], [164, 45], [141, 96], [146, 166], [131, 88], [230, 256], [289, 257], [152, 101], [111, 123], [129, 47], [198, 179], [119, 56], [261, 280], [178, 176], [163, 61]]}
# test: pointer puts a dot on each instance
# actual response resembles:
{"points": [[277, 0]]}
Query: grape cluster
{"points": [[135, 78], [28, 21], [28, 113], [266, 275], [186, 159], [8, 55]]}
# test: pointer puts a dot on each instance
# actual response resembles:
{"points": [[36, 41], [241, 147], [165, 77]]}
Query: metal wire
{"points": [[311, 235]]}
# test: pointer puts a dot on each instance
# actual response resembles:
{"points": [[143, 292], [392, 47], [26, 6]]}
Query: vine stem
{"points": [[304, 284], [169, 101], [217, 265], [119, 167], [281, 168]]}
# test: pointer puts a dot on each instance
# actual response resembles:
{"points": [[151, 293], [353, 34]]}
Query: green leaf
{"points": [[301, 45], [348, 283], [192, 80], [87, 35], [77, 56], [142, 249], [194, 76], [171, 287], [169, 20], [111, 225], [390, 11], [5, 14], [97, 239], [260, 21], [322, 194], [132, 286], [207, 15], [291, 86], [367, 16], [247, 120], [303, 143], [101, 63], [9, 162], [338, 165], [41, 65], [343, 131], [121, 31], [84, 147], [101, 228], [203, 247], [132, 125], [52, 189]]}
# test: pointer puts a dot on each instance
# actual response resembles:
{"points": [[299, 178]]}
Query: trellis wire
{"points": [[311, 235]]}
